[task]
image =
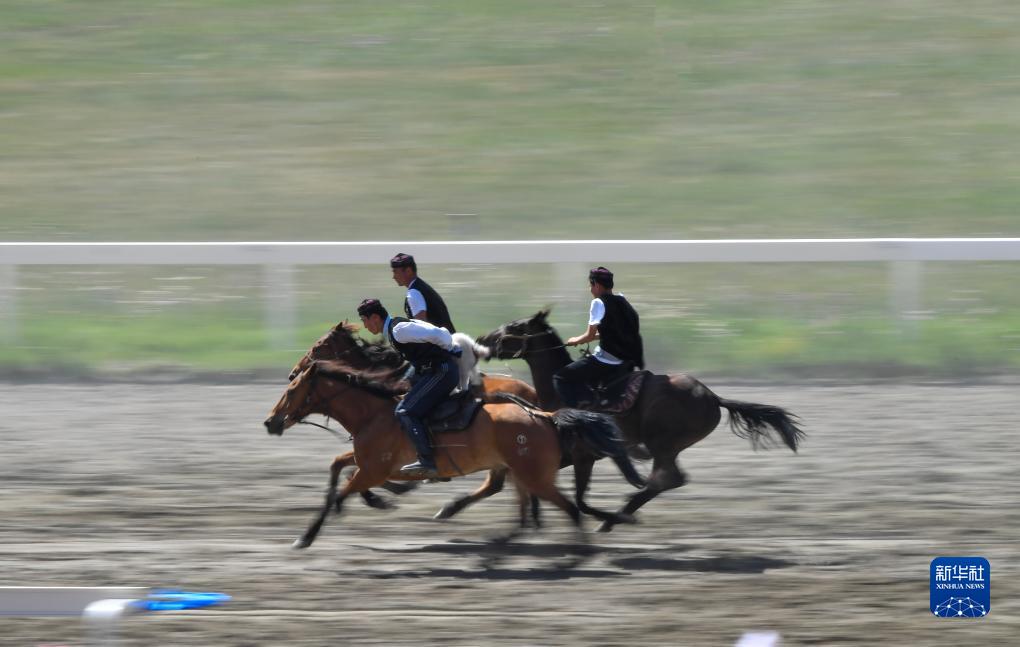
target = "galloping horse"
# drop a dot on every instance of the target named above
(527, 443)
(671, 413)
(341, 343)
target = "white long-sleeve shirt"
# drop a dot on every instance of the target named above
(419, 331)
(415, 299)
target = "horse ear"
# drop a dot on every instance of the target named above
(541, 315)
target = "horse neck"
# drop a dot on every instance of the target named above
(352, 408)
(543, 364)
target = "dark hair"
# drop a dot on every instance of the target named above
(404, 260)
(602, 276)
(370, 307)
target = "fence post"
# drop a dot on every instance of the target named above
(905, 294)
(8, 303)
(280, 305)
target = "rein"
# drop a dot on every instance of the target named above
(332, 431)
(524, 339)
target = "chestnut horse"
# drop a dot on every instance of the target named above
(524, 442)
(672, 412)
(343, 343)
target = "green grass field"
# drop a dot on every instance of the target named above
(229, 120)
(746, 320)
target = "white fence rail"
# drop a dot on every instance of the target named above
(278, 259)
(516, 251)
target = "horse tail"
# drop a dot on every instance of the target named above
(755, 421)
(600, 435)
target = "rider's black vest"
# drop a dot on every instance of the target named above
(620, 330)
(434, 305)
(421, 354)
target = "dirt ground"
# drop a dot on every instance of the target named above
(179, 486)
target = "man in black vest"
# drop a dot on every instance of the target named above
(614, 322)
(431, 351)
(422, 302)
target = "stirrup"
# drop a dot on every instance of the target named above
(419, 469)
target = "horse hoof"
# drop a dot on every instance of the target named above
(378, 504)
(605, 526)
(445, 512)
(300, 544)
(626, 518)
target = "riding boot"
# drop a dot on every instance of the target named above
(425, 466)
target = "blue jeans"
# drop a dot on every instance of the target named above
(430, 387)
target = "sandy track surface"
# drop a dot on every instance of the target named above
(179, 485)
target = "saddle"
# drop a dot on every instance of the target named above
(455, 413)
(619, 394)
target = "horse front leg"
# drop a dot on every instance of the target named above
(584, 462)
(333, 498)
(666, 475)
(372, 500)
(493, 483)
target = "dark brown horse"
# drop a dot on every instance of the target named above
(524, 442)
(672, 412)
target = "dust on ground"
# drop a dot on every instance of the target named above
(179, 486)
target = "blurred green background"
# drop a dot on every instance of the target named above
(229, 120)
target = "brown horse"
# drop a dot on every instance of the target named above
(672, 412)
(525, 442)
(342, 343)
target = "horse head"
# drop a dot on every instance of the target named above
(515, 339)
(341, 342)
(307, 394)
(332, 345)
(297, 402)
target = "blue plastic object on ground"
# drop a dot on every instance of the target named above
(173, 600)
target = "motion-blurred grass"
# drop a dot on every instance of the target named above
(226, 120)
(730, 320)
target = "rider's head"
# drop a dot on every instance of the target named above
(601, 281)
(404, 269)
(373, 314)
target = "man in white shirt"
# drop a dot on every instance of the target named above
(422, 302)
(614, 322)
(431, 351)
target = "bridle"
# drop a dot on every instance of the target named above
(307, 405)
(524, 339)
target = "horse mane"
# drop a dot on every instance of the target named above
(386, 383)
(376, 353)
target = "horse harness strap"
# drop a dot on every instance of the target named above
(524, 339)
(332, 431)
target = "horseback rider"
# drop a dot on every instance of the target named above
(614, 322)
(431, 351)
(422, 301)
